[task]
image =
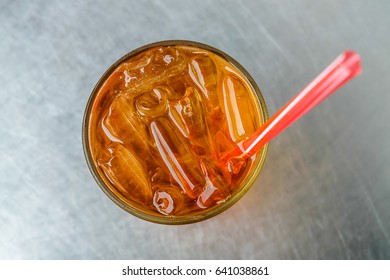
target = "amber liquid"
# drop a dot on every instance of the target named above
(160, 124)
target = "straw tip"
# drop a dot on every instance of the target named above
(350, 52)
(354, 60)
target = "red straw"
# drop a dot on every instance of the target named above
(344, 68)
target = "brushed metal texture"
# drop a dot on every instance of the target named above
(324, 192)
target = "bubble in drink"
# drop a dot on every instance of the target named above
(160, 124)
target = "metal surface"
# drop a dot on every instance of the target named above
(324, 192)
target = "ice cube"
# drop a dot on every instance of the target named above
(126, 173)
(122, 125)
(237, 106)
(223, 143)
(139, 62)
(189, 116)
(144, 72)
(153, 103)
(168, 199)
(188, 113)
(114, 83)
(177, 157)
(216, 189)
(158, 175)
(205, 76)
(203, 72)
(177, 86)
(235, 165)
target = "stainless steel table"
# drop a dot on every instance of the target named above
(324, 192)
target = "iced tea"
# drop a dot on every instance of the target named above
(159, 123)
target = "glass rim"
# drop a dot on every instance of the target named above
(171, 220)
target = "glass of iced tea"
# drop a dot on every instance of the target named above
(158, 123)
